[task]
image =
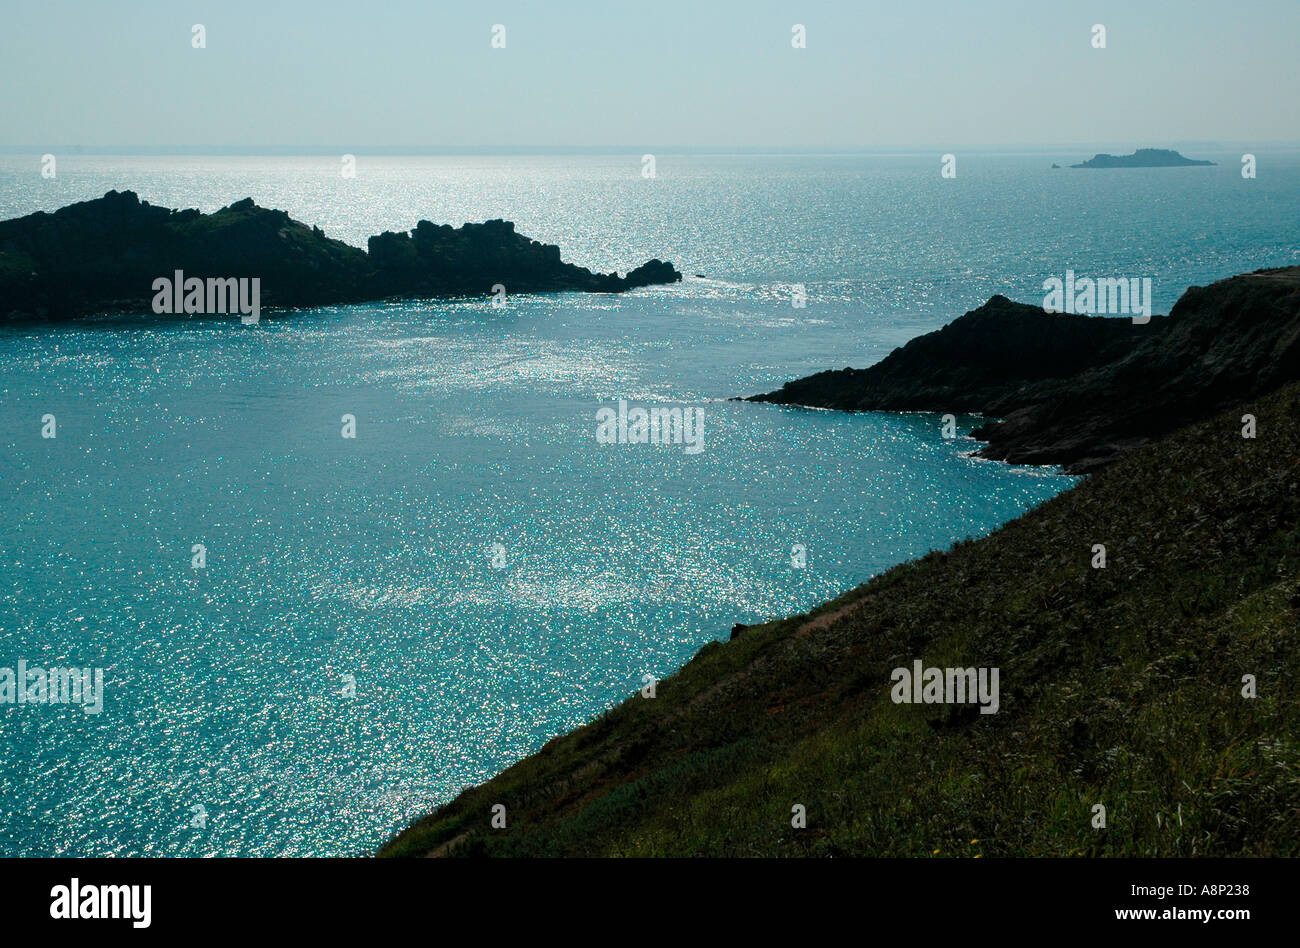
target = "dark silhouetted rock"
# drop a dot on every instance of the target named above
(1081, 390)
(104, 255)
(651, 273)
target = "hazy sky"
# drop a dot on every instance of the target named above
(656, 73)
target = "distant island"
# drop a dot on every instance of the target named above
(1142, 158)
(105, 255)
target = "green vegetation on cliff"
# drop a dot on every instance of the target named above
(1120, 686)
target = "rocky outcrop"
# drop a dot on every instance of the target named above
(1081, 390)
(651, 273)
(440, 260)
(104, 255)
(1142, 158)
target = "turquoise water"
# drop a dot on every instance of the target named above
(373, 557)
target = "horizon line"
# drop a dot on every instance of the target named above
(638, 149)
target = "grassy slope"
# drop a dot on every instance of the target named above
(1118, 686)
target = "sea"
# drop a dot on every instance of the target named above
(308, 640)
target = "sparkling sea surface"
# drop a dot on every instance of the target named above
(373, 557)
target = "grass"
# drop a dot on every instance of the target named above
(1119, 686)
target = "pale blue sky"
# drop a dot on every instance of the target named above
(422, 73)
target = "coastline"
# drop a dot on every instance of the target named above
(1202, 585)
(797, 711)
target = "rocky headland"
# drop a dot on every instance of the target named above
(1080, 390)
(103, 256)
